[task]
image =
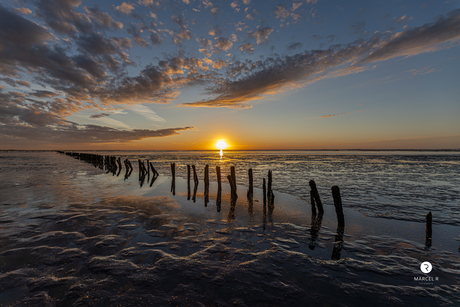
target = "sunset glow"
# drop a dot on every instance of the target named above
(271, 75)
(221, 144)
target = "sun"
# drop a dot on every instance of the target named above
(221, 144)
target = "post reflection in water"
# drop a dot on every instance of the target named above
(231, 213)
(338, 244)
(219, 199)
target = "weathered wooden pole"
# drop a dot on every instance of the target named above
(251, 188)
(316, 196)
(195, 176)
(429, 229)
(219, 184)
(206, 176)
(232, 173)
(148, 168)
(338, 206)
(232, 186)
(188, 182)
(206, 185)
(264, 189)
(269, 184)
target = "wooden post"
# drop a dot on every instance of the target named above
(188, 182)
(269, 185)
(232, 172)
(232, 186)
(219, 184)
(316, 196)
(148, 168)
(195, 176)
(265, 192)
(429, 229)
(206, 176)
(251, 189)
(338, 206)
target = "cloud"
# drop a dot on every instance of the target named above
(125, 8)
(23, 10)
(44, 94)
(222, 44)
(103, 18)
(332, 115)
(38, 121)
(147, 113)
(261, 34)
(294, 46)
(427, 38)
(423, 71)
(15, 83)
(246, 47)
(100, 115)
(276, 74)
(216, 31)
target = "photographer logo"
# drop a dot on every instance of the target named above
(426, 267)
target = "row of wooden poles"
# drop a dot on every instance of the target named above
(112, 164)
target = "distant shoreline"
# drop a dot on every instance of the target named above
(229, 150)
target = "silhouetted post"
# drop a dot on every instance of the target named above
(429, 229)
(173, 181)
(232, 186)
(206, 185)
(188, 182)
(195, 176)
(316, 196)
(269, 185)
(338, 205)
(264, 190)
(314, 229)
(251, 189)
(232, 172)
(219, 184)
(148, 168)
(219, 199)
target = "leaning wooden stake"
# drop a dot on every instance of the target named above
(195, 176)
(315, 193)
(338, 205)
(429, 229)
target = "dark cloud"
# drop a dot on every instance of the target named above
(155, 38)
(15, 83)
(42, 122)
(61, 16)
(135, 30)
(183, 33)
(44, 94)
(357, 27)
(100, 115)
(294, 46)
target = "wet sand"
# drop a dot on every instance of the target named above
(132, 246)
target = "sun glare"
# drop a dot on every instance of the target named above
(221, 144)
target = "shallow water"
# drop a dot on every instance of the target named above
(72, 235)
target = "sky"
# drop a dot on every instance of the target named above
(181, 75)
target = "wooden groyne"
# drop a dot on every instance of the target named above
(114, 165)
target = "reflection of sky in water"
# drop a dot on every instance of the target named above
(70, 219)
